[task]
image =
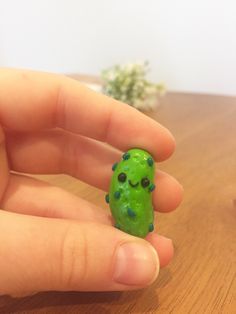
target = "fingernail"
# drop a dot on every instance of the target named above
(136, 264)
(164, 239)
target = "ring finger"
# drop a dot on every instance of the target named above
(53, 202)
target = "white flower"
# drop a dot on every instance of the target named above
(128, 83)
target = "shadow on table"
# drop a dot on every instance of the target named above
(56, 299)
(84, 302)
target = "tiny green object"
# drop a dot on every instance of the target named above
(130, 199)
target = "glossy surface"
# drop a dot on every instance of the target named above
(130, 194)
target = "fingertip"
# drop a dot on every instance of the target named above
(168, 146)
(168, 194)
(163, 246)
(137, 264)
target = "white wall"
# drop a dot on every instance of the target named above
(191, 45)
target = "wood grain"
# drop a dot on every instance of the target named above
(202, 276)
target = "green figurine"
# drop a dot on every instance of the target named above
(130, 194)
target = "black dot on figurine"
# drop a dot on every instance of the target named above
(122, 177)
(117, 194)
(150, 161)
(151, 227)
(126, 156)
(152, 187)
(145, 182)
(117, 226)
(107, 198)
(114, 166)
(130, 212)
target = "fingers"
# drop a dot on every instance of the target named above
(30, 196)
(32, 101)
(63, 152)
(4, 171)
(168, 193)
(111, 121)
(79, 256)
(84, 158)
(54, 202)
(163, 246)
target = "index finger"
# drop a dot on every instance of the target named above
(35, 100)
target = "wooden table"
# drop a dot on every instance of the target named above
(202, 276)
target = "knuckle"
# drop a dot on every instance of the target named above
(73, 260)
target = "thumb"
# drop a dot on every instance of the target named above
(40, 254)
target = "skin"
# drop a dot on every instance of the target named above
(50, 238)
(130, 201)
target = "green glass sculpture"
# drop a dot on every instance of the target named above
(130, 193)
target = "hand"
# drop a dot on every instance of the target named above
(51, 239)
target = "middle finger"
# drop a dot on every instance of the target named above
(81, 157)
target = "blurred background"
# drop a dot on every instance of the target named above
(190, 45)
